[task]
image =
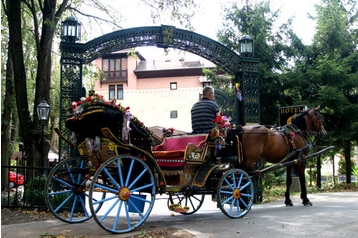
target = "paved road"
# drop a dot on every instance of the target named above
(332, 215)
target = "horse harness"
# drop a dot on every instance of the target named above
(288, 132)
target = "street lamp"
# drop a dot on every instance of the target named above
(246, 46)
(71, 30)
(43, 110)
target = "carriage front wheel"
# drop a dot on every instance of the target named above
(235, 193)
(130, 187)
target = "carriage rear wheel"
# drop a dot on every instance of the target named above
(235, 193)
(66, 190)
(130, 187)
(189, 204)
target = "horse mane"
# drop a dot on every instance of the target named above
(299, 120)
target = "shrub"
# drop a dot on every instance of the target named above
(34, 194)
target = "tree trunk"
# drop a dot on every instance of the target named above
(347, 157)
(318, 172)
(6, 121)
(16, 50)
(54, 136)
(334, 171)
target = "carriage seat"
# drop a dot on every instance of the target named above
(170, 154)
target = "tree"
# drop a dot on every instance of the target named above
(258, 20)
(327, 74)
(45, 18)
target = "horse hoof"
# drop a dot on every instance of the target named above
(308, 203)
(290, 204)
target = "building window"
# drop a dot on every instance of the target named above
(111, 92)
(120, 91)
(174, 114)
(173, 86)
(115, 67)
(206, 84)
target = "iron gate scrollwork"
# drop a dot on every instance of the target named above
(226, 103)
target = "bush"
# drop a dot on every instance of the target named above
(34, 194)
(10, 199)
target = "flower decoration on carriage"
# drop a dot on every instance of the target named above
(78, 107)
(93, 145)
(168, 131)
(219, 131)
(128, 116)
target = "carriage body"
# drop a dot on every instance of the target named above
(116, 172)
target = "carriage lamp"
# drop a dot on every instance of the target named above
(246, 46)
(43, 110)
(71, 30)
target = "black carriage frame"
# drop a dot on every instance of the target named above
(75, 55)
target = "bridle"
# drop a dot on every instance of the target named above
(317, 123)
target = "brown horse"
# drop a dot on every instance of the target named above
(279, 145)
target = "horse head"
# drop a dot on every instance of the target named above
(311, 120)
(314, 121)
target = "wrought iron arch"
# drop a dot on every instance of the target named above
(226, 103)
(161, 36)
(75, 55)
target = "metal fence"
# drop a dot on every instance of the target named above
(28, 192)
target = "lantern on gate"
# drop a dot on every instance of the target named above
(71, 30)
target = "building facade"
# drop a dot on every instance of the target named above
(160, 91)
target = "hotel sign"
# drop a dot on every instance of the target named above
(286, 113)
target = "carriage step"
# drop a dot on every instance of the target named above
(178, 208)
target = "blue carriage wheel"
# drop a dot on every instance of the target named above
(188, 203)
(235, 193)
(66, 190)
(130, 187)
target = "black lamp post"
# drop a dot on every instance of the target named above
(43, 110)
(71, 72)
(71, 30)
(247, 84)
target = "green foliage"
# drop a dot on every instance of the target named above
(273, 179)
(224, 83)
(342, 166)
(10, 199)
(257, 19)
(34, 192)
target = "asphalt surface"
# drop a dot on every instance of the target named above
(332, 215)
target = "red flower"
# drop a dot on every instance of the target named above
(217, 119)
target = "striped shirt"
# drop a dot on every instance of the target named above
(202, 115)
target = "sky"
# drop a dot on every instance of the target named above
(208, 20)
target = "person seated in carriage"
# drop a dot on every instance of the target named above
(207, 118)
(204, 112)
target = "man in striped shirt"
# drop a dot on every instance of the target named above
(204, 112)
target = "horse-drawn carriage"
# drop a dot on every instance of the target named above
(116, 171)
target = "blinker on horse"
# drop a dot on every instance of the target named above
(283, 144)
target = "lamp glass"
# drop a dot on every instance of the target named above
(43, 110)
(71, 30)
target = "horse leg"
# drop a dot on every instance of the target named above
(302, 178)
(288, 201)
